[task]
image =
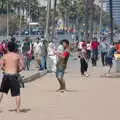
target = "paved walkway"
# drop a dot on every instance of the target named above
(92, 98)
(30, 75)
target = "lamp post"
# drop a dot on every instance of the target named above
(48, 19)
(101, 14)
(54, 21)
(111, 20)
(20, 24)
(7, 19)
(91, 15)
(86, 20)
(29, 15)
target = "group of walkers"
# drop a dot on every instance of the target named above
(91, 51)
(17, 57)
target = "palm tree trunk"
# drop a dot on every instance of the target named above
(91, 6)
(48, 19)
(111, 20)
(54, 21)
(86, 20)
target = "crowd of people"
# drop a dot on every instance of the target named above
(17, 56)
(94, 51)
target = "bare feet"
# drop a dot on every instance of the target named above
(58, 90)
(61, 90)
(18, 110)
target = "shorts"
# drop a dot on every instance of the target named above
(109, 60)
(10, 82)
(60, 74)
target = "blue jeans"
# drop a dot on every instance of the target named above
(60, 73)
(44, 62)
(95, 54)
(94, 57)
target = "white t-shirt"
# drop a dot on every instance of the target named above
(60, 49)
(80, 45)
(51, 49)
(37, 47)
(88, 46)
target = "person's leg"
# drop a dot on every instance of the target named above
(88, 54)
(54, 61)
(18, 102)
(45, 58)
(93, 58)
(49, 63)
(96, 57)
(61, 81)
(25, 62)
(102, 58)
(105, 58)
(27, 65)
(96, 54)
(82, 66)
(1, 97)
(110, 64)
(110, 67)
(38, 62)
(15, 90)
(43, 62)
(29, 61)
(63, 84)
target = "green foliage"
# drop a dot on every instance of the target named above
(76, 10)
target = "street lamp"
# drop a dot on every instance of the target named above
(54, 20)
(101, 14)
(48, 19)
(86, 20)
(20, 24)
(7, 19)
(29, 15)
(111, 20)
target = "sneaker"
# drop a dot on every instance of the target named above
(86, 75)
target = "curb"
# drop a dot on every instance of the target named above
(34, 77)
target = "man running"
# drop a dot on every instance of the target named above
(62, 64)
(11, 66)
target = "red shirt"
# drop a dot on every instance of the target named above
(94, 45)
(66, 54)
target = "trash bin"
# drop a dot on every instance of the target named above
(118, 65)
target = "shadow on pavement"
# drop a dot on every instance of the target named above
(1, 111)
(21, 111)
(54, 91)
(68, 90)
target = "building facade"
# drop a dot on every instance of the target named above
(116, 10)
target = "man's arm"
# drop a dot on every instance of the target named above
(3, 64)
(20, 64)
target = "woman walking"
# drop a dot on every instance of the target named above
(83, 60)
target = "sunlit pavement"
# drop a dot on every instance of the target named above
(92, 98)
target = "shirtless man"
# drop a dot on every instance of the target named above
(11, 66)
